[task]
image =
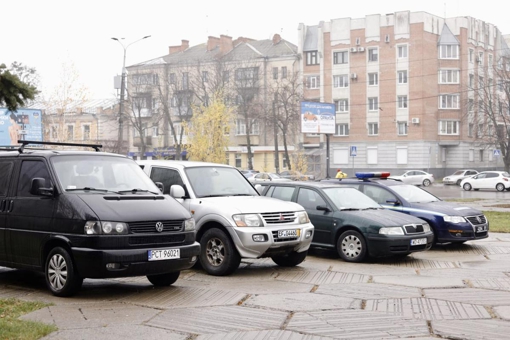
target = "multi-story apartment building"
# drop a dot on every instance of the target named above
(250, 73)
(411, 91)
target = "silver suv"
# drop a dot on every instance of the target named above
(232, 220)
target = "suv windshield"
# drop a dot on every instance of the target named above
(209, 181)
(414, 194)
(101, 172)
(350, 198)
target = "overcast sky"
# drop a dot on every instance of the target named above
(46, 33)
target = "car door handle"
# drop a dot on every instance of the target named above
(10, 204)
(2, 206)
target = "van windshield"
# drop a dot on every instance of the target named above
(101, 172)
(210, 181)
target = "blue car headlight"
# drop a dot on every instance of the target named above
(454, 219)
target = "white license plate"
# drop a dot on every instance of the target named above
(288, 233)
(481, 229)
(418, 241)
(164, 254)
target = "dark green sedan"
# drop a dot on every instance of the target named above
(348, 220)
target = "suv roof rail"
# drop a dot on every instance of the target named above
(27, 142)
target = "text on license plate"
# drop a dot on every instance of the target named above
(164, 254)
(481, 229)
(418, 241)
(288, 233)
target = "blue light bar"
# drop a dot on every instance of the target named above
(364, 175)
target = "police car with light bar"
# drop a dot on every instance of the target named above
(449, 221)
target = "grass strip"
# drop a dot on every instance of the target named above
(13, 328)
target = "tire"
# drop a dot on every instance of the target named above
(218, 255)
(458, 182)
(290, 260)
(60, 273)
(500, 187)
(426, 182)
(163, 280)
(351, 246)
(466, 186)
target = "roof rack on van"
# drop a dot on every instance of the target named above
(26, 142)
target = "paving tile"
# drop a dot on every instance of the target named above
(262, 335)
(420, 281)
(492, 283)
(117, 333)
(321, 277)
(472, 329)
(478, 296)
(365, 291)
(301, 302)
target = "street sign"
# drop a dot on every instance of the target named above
(497, 152)
(354, 151)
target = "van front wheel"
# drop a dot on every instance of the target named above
(218, 255)
(61, 276)
(163, 280)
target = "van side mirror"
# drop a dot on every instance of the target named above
(160, 186)
(177, 191)
(38, 187)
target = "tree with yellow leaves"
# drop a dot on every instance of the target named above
(207, 139)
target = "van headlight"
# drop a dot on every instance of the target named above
(391, 231)
(248, 220)
(454, 219)
(105, 228)
(189, 224)
(303, 217)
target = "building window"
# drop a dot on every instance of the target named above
(86, 132)
(402, 128)
(449, 101)
(471, 54)
(154, 131)
(185, 81)
(342, 130)
(373, 54)
(402, 77)
(373, 129)
(449, 127)
(340, 57)
(341, 80)
(372, 155)
(402, 51)
(226, 76)
(54, 131)
(401, 155)
(480, 58)
(240, 127)
(373, 79)
(312, 82)
(155, 79)
(373, 104)
(284, 72)
(491, 60)
(238, 160)
(470, 129)
(480, 152)
(471, 105)
(275, 72)
(172, 79)
(402, 102)
(480, 131)
(311, 58)
(449, 51)
(342, 105)
(471, 83)
(449, 76)
(70, 132)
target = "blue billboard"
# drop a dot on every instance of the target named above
(318, 117)
(23, 124)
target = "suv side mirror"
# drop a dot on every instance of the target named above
(160, 186)
(323, 208)
(38, 187)
(177, 191)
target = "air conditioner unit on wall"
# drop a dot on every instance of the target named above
(361, 49)
(354, 76)
(354, 50)
(415, 120)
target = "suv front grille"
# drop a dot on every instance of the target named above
(279, 218)
(149, 227)
(476, 220)
(413, 228)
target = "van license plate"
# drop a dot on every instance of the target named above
(164, 254)
(418, 241)
(288, 233)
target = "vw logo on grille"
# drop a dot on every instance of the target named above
(159, 227)
(478, 219)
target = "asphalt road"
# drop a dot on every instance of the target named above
(455, 191)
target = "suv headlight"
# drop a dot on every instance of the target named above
(303, 217)
(248, 220)
(105, 228)
(454, 219)
(426, 227)
(189, 224)
(391, 231)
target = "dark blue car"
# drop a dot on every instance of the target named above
(450, 222)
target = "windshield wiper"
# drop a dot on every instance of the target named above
(241, 195)
(204, 196)
(371, 208)
(349, 209)
(89, 189)
(135, 190)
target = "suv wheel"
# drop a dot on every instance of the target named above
(218, 255)
(351, 246)
(290, 260)
(60, 273)
(163, 280)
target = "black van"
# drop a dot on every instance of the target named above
(86, 214)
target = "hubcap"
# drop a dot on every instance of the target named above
(215, 251)
(57, 272)
(351, 246)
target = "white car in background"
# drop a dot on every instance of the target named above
(267, 177)
(499, 180)
(458, 176)
(415, 177)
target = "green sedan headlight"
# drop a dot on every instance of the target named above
(454, 219)
(391, 231)
(426, 227)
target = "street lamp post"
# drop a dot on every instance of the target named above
(122, 93)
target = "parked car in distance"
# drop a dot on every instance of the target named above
(249, 173)
(233, 220)
(449, 221)
(267, 177)
(296, 175)
(458, 176)
(499, 180)
(352, 223)
(415, 177)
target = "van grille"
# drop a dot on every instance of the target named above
(476, 220)
(163, 239)
(279, 218)
(149, 227)
(413, 228)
